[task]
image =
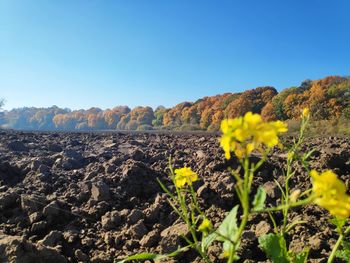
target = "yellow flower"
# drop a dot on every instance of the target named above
(305, 113)
(330, 193)
(185, 176)
(290, 155)
(205, 226)
(245, 134)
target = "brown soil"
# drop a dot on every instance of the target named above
(70, 197)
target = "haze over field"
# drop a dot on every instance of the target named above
(328, 99)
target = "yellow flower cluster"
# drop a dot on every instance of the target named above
(305, 113)
(205, 226)
(330, 193)
(244, 134)
(184, 176)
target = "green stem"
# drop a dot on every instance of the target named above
(335, 248)
(282, 207)
(245, 205)
(337, 244)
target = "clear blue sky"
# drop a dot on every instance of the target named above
(86, 53)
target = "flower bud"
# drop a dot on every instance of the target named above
(295, 195)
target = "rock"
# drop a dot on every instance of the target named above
(110, 220)
(110, 168)
(270, 189)
(100, 191)
(179, 229)
(35, 165)
(135, 176)
(52, 209)
(134, 216)
(35, 217)
(102, 257)
(70, 236)
(39, 226)
(249, 235)
(171, 237)
(52, 238)
(43, 169)
(81, 256)
(203, 191)
(70, 154)
(54, 147)
(315, 242)
(8, 199)
(151, 239)
(18, 250)
(108, 238)
(32, 203)
(152, 213)
(71, 164)
(87, 241)
(170, 243)
(17, 146)
(200, 154)
(90, 175)
(138, 230)
(262, 228)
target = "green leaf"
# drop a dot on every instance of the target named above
(344, 254)
(339, 223)
(259, 199)
(227, 231)
(301, 257)
(228, 228)
(142, 256)
(308, 154)
(206, 241)
(274, 247)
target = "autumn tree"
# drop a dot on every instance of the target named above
(172, 117)
(137, 118)
(159, 116)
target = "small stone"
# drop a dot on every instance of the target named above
(270, 189)
(200, 154)
(100, 191)
(262, 228)
(315, 242)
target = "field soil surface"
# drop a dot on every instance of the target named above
(94, 197)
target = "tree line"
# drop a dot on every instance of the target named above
(327, 98)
